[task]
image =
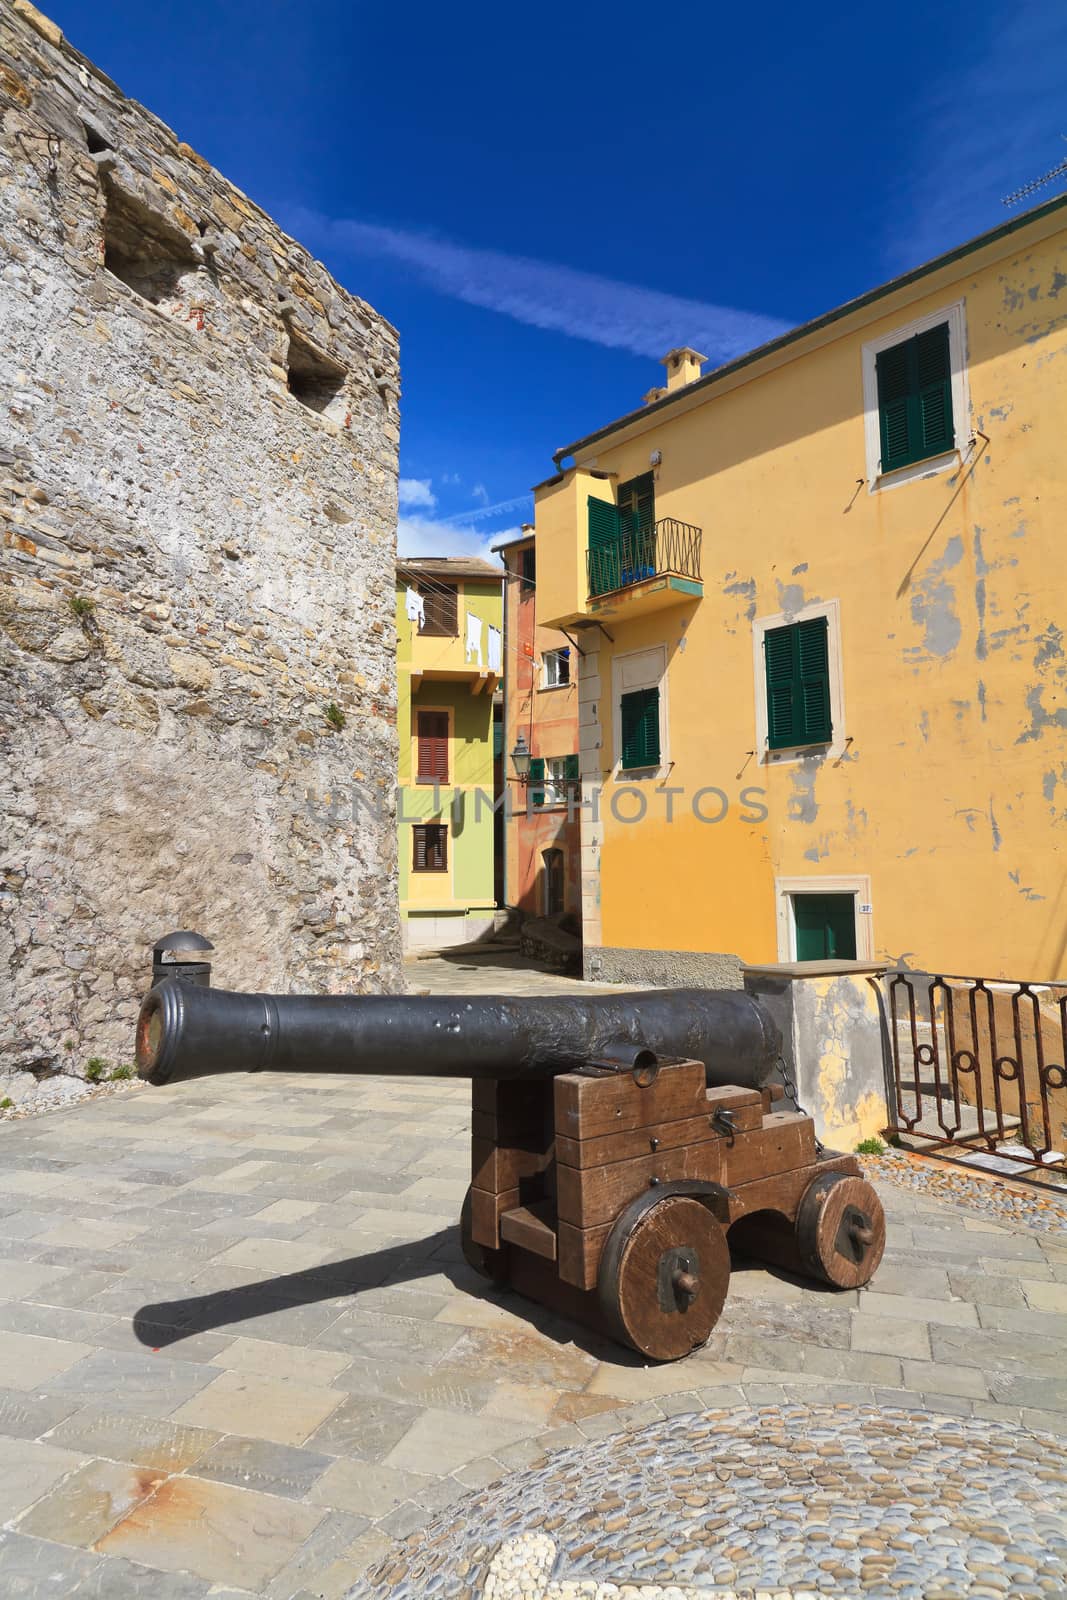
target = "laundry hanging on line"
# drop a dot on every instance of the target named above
(474, 638)
(414, 607)
(493, 650)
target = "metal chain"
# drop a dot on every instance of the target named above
(791, 1090)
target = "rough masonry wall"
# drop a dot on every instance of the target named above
(195, 563)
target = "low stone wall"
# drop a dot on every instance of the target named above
(670, 969)
(198, 461)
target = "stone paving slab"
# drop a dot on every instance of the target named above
(259, 1300)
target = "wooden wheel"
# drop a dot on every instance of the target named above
(664, 1275)
(840, 1230)
(488, 1263)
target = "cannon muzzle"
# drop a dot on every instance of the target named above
(190, 1032)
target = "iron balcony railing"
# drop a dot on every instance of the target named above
(979, 1069)
(629, 558)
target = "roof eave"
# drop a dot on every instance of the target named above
(805, 329)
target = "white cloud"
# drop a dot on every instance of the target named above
(427, 536)
(417, 492)
(543, 294)
(481, 493)
(994, 124)
(451, 478)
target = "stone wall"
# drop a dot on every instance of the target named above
(198, 461)
(668, 969)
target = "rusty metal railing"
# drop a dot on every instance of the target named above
(978, 1064)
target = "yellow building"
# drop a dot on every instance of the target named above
(449, 622)
(820, 594)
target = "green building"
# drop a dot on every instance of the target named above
(449, 621)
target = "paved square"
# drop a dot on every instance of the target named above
(239, 1346)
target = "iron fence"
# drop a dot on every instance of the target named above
(981, 1066)
(667, 546)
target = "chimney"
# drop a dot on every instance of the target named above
(653, 395)
(683, 367)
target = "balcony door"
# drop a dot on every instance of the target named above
(637, 523)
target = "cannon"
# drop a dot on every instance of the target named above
(621, 1144)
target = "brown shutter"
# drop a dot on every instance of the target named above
(440, 618)
(432, 732)
(429, 847)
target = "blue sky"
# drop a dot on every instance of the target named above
(544, 202)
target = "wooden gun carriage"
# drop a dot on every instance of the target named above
(615, 1160)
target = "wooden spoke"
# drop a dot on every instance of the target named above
(664, 1275)
(840, 1230)
(488, 1263)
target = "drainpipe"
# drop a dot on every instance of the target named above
(504, 731)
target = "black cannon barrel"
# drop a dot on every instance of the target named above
(191, 1032)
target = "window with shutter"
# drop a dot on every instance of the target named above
(537, 780)
(797, 669)
(528, 566)
(441, 618)
(639, 718)
(915, 398)
(432, 747)
(604, 546)
(429, 847)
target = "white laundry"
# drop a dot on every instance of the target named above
(493, 650)
(414, 607)
(474, 638)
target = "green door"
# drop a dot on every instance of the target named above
(826, 926)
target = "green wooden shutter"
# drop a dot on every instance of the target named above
(797, 668)
(778, 665)
(640, 728)
(604, 541)
(537, 776)
(637, 519)
(572, 774)
(813, 673)
(915, 398)
(933, 383)
(825, 927)
(893, 369)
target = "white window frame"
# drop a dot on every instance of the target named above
(630, 672)
(831, 610)
(877, 480)
(858, 884)
(555, 656)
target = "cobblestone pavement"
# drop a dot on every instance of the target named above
(802, 1499)
(323, 1375)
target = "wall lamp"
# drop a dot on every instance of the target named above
(520, 759)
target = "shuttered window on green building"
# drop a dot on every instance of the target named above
(640, 728)
(915, 398)
(797, 662)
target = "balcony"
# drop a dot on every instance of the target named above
(641, 570)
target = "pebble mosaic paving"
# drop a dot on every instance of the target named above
(817, 1499)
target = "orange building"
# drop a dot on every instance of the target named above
(542, 843)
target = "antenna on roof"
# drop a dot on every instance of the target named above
(1037, 183)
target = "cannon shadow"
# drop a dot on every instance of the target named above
(168, 1321)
